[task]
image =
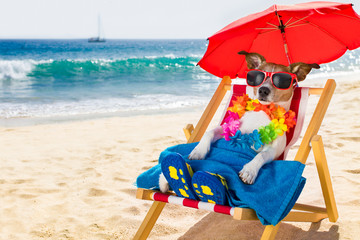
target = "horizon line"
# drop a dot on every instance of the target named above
(35, 38)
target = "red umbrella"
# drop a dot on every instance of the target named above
(315, 32)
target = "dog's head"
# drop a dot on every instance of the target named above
(267, 92)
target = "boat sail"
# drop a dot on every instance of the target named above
(100, 37)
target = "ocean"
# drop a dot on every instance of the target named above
(72, 78)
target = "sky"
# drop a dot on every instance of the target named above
(126, 19)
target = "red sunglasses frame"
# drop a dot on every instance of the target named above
(270, 74)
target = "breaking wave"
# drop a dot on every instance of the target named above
(21, 69)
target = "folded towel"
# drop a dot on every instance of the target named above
(272, 196)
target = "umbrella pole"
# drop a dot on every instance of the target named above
(282, 30)
(286, 48)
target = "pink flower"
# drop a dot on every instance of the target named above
(231, 125)
(231, 116)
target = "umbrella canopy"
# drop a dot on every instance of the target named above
(315, 32)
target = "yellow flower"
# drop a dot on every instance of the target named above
(250, 106)
(280, 126)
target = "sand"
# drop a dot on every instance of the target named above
(74, 180)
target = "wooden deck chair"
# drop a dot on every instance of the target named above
(299, 213)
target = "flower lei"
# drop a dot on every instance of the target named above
(281, 121)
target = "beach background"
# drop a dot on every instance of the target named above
(79, 122)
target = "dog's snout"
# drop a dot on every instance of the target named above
(264, 91)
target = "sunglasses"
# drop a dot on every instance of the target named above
(280, 80)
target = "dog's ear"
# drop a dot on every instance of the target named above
(302, 69)
(253, 60)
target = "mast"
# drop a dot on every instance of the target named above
(100, 35)
(99, 28)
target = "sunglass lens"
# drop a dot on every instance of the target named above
(255, 78)
(282, 80)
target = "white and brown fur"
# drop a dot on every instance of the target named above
(252, 120)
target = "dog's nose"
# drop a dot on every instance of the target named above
(264, 91)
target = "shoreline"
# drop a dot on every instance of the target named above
(32, 121)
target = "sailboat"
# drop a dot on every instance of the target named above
(99, 38)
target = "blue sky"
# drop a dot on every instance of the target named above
(125, 19)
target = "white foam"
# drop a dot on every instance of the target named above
(15, 69)
(99, 106)
(171, 56)
(18, 69)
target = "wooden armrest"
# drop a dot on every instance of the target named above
(315, 91)
(188, 129)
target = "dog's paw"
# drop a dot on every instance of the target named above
(163, 184)
(199, 152)
(248, 174)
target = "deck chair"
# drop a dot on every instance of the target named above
(300, 212)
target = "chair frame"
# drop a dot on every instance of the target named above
(300, 212)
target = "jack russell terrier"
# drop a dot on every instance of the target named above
(271, 83)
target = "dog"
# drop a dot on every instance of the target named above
(267, 92)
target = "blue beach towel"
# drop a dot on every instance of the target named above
(272, 196)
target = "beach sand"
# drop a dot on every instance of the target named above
(75, 180)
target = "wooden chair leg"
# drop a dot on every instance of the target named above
(270, 232)
(324, 176)
(149, 221)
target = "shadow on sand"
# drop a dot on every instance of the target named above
(218, 226)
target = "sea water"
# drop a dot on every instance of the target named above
(70, 78)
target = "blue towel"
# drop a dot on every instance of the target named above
(272, 196)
